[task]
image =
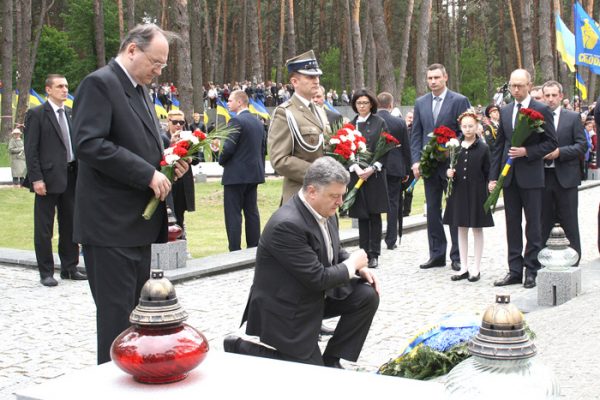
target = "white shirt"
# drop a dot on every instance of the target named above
(57, 115)
(133, 82)
(524, 104)
(442, 96)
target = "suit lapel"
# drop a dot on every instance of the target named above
(52, 117)
(308, 114)
(444, 107)
(315, 228)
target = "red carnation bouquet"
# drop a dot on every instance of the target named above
(348, 146)
(435, 150)
(385, 143)
(187, 148)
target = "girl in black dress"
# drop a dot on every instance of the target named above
(464, 207)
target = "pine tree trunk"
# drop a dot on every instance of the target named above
(422, 47)
(279, 77)
(357, 45)
(527, 39)
(243, 41)
(196, 56)
(207, 38)
(370, 54)
(515, 36)
(6, 114)
(291, 33)
(215, 48)
(404, 53)
(99, 33)
(221, 72)
(455, 45)
(130, 14)
(256, 61)
(259, 34)
(546, 58)
(322, 27)
(348, 43)
(385, 67)
(164, 14)
(121, 20)
(184, 67)
(267, 55)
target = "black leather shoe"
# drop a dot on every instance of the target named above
(373, 263)
(529, 282)
(231, 344)
(332, 362)
(509, 280)
(392, 247)
(459, 277)
(456, 265)
(49, 281)
(73, 275)
(475, 278)
(434, 263)
(326, 331)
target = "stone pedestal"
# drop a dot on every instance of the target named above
(593, 174)
(558, 287)
(354, 223)
(199, 178)
(170, 255)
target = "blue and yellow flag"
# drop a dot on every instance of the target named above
(258, 108)
(565, 43)
(587, 39)
(69, 101)
(329, 106)
(223, 110)
(161, 111)
(580, 83)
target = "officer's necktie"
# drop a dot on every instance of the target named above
(64, 130)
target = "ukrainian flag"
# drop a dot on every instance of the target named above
(33, 100)
(580, 83)
(174, 103)
(161, 112)
(331, 107)
(223, 110)
(39, 98)
(587, 39)
(69, 101)
(256, 107)
(565, 43)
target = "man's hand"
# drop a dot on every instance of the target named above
(369, 276)
(366, 173)
(415, 170)
(39, 187)
(160, 184)
(516, 152)
(553, 155)
(181, 167)
(359, 259)
(491, 185)
(405, 179)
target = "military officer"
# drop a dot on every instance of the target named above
(296, 132)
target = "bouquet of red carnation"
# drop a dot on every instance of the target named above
(435, 150)
(385, 143)
(529, 121)
(348, 146)
(187, 148)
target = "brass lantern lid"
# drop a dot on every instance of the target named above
(158, 304)
(502, 334)
(557, 239)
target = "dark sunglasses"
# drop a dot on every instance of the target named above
(176, 122)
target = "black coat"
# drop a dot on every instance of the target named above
(399, 159)
(464, 206)
(572, 146)
(372, 197)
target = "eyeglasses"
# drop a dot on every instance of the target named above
(177, 122)
(363, 103)
(516, 86)
(155, 64)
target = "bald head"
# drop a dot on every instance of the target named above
(520, 84)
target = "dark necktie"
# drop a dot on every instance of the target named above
(550, 162)
(436, 108)
(140, 91)
(64, 131)
(312, 107)
(517, 115)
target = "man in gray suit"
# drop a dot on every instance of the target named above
(562, 171)
(303, 275)
(440, 107)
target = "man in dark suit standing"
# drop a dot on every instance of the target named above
(524, 183)
(119, 150)
(52, 172)
(440, 107)
(243, 161)
(397, 168)
(562, 169)
(302, 275)
(331, 119)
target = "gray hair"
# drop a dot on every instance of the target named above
(325, 171)
(143, 34)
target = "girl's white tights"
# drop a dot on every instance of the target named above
(463, 248)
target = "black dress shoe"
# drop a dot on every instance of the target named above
(373, 263)
(392, 247)
(231, 344)
(529, 282)
(475, 278)
(434, 263)
(456, 265)
(73, 275)
(326, 331)
(509, 280)
(49, 281)
(332, 362)
(459, 277)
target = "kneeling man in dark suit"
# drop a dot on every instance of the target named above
(302, 276)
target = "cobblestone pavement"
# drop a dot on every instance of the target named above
(48, 332)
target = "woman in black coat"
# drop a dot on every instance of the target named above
(372, 198)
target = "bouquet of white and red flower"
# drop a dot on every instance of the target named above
(453, 146)
(529, 121)
(385, 143)
(435, 150)
(187, 148)
(347, 146)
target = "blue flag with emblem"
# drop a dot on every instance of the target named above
(587, 39)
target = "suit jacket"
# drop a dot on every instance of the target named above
(243, 154)
(572, 146)
(291, 277)
(288, 158)
(528, 171)
(45, 151)
(119, 148)
(453, 105)
(398, 159)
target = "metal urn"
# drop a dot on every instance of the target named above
(502, 364)
(159, 347)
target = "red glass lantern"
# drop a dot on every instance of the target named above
(174, 231)
(159, 347)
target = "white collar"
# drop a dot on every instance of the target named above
(55, 107)
(302, 99)
(320, 219)
(362, 119)
(133, 82)
(442, 95)
(524, 103)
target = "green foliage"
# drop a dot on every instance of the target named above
(409, 96)
(55, 56)
(329, 61)
(426, 363)
(473, 73)
(4, 158)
